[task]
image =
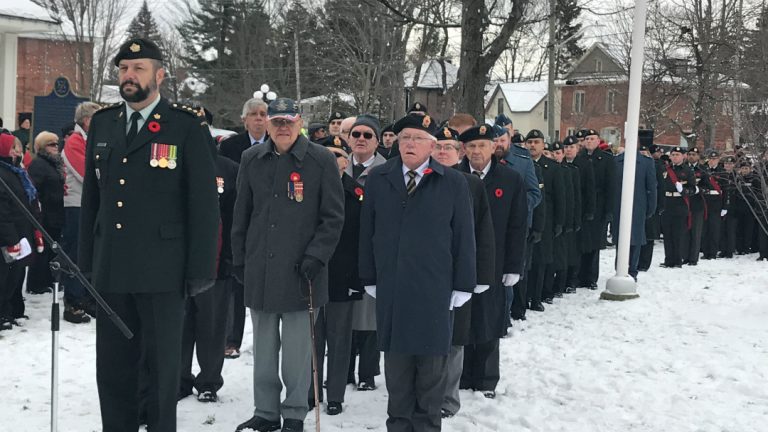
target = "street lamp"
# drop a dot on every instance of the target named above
(265, 94)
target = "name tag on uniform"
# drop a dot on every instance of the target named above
(101, 144)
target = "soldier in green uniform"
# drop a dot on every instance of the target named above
(148, 236)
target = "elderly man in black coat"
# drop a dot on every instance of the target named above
(447, 153)
(288, 218)
(507, 198)
(417, 256)
(644, 203)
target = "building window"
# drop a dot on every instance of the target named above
(610, 101)
(546, 109)
(557, 135)
(571, 131)
(598, 65)
(578, 101)
(499, 106)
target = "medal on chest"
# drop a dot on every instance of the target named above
(295, 187)
(163, 156)
(220, 185)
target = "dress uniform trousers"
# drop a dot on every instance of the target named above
(710, 236)
(333, 328)
(236, 315)
(745, 230)
(204, 332)
(692, 239)
(728, 239)
(481, 366)
(151, 357)
(674, 223)
(415, 393)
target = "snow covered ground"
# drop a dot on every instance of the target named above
(691, 354)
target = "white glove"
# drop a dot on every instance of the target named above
(26, 249)
(510, 279)
(458, 298)
(697, 189)
(371, 290)
(481, 289)
(679, 187)
(723, 212)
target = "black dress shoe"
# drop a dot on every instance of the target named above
(333, 408)
(5, 325)
(518, 317)
(570, 290)
(259, 424)
(558, 295)
(366, 385)
(292, 425)
(538, 307)
(489, 394)
(549, 300)
(208, 396)
(444, 413)
(691, 263)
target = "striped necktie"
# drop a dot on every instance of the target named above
(411, 185)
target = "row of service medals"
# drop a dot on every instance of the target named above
(296, 188)
(163, 156)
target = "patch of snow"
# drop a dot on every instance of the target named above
(524, 96)
(25, 9)
(431, 75)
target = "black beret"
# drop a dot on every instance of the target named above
(517, 138)
(138, 48)
(555, 146)
(729, 159)
(418, 106)
(314, 127)
(694, 150)
(336, 115)
(502, 120)
(678, 149)
(482, 132)
(335, 142)
(642, 147)
(570, 140)
(387, 128)
(586, 132)
(713, 154)
(415, 121)
(534, 134)
(446, 133)
(653, 148)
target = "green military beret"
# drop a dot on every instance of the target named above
(138, 48)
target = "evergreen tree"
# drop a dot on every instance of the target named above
(144, 26)
(567, 14)
(755, 59)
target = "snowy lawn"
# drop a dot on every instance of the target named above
(691, 354)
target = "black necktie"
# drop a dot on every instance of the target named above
(479, 174)
(357, 169)
(134, 127)
(411, 185)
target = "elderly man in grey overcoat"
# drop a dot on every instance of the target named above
(288, 218)
(417, 256)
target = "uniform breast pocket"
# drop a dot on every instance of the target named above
(101, 162)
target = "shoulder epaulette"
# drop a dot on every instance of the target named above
(187, 109)
(110, 107)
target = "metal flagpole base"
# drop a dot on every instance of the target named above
(619, 288)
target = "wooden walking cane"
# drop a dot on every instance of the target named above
(314, 356)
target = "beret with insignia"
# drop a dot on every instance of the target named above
(284, 108)
(694, 150)
(713, 154)
(314, 127)
(555, 146)
(653, 148)
(335, 142)
(534, 134)
(502, 120)
(678, 150)
(586, 132)
(446, 133)
(517, 138)
(418, 107)
(570, 140)
(138, 48)
(729, 159)
(414, 121)
(336, 115)
(482, 132)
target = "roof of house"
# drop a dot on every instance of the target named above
(26, 10)
(522, 96)
(431, 75)
(588, 53)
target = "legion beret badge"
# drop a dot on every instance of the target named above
(426, 122)
(135, 47)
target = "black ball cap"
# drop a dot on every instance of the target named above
(415, 121)
(482, 132)
(138, 48)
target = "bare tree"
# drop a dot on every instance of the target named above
(89, 24)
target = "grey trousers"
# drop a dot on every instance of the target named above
(334, 328)
(414, 383)
(296, 345)
(451, 378)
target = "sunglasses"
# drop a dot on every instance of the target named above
(280, 122)
(357, 134)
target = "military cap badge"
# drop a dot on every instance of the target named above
(135, 47)
(337, 141)
(483, 130)
(447, 133)
(426, 122)
(417, 106)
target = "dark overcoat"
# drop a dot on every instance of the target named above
(485, 257)
(46, 173)
(233, 147)
(147, 229)
(554, 197)
(13, 224)
(507, 198)
(226, 187)
(271, 232)
(343, 274)
(645, 197)
(603, 168)
(417, 249)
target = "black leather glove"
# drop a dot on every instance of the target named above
(239, 273)
(558, 230)
(198, 286)
(535, 237)
(589, 216)
(609, 217)
(310, 267)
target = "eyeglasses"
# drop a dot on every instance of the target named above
(406, 138)
(446, 147)
(280, 122)
(366, 135)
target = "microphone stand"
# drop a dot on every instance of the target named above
(63, 264)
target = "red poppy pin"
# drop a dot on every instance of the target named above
(428, 171)
(295, 177)
(153, 126)
(499, 193)
(359, 193)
